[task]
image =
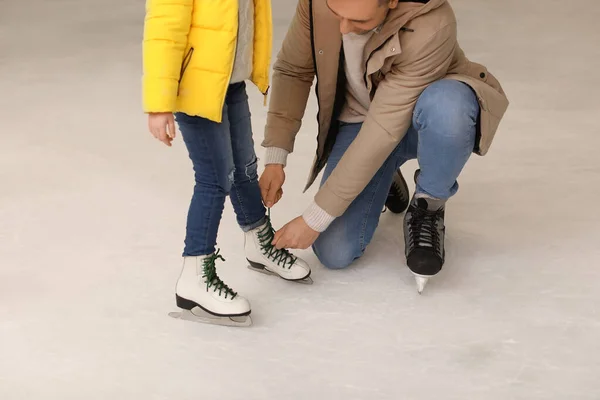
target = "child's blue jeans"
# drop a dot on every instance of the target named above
(224, 164)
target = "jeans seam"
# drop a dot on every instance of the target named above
(371, 201)
(215, 172)
(417, 116)
(239, 198)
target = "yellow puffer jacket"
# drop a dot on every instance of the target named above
(189, 50)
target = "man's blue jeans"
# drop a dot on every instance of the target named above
(442, 137)
(224, 164)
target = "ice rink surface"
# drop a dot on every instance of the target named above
(92, 213)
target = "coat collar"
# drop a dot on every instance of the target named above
(396, 19)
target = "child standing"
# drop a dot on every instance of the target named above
(197, 56)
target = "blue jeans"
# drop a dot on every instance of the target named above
(224, 164)
(442, 137)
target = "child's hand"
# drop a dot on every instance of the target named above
(162, 127)
(270, 183)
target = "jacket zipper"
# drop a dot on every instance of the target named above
(314, 55)
(319, 160)
(367, 62)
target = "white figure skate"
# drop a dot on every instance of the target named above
(203, 297)
(267, 259)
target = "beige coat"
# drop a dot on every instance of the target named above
(416, 46)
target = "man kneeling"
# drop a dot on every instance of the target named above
(392, 85)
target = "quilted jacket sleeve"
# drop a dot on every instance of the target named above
(166, 30)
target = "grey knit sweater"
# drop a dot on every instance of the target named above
(242, 67)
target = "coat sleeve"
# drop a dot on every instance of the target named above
(293, 75)
(166, 28)
(388, 119)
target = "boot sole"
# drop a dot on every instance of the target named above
(261, 268)
(188, 305)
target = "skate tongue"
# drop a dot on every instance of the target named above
(429, 204)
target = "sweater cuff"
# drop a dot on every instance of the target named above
(317, 218)
(275, 155)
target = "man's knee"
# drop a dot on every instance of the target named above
(334, 250)
(448, 106)
(333, 258)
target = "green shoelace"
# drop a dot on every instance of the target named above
(212, 279)
(279, 256)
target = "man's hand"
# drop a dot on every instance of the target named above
(270, 183)
(296, 234)
(162, 127)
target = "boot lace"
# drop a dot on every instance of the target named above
(280, 256)
(212, 279)
(423, 229)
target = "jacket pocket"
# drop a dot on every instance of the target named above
(184, 64)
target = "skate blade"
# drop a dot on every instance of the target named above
(306, 281)
(421, 281)
(198, 315)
